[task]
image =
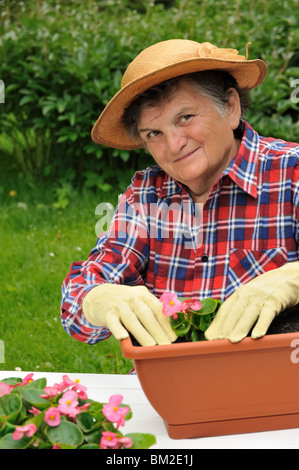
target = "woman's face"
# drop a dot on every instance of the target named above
(188, 137)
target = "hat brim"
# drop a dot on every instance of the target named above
(109, 130)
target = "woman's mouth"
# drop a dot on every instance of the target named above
(187, 155)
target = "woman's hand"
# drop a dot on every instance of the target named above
(256, 303)
(125, 309)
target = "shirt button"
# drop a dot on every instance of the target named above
(204, 258)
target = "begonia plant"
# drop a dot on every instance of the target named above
(36, 416)
(189, 318)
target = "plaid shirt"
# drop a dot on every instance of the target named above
(159, 237)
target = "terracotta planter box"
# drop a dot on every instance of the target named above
(216, 387)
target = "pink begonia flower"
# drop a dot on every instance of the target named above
(51, 392)
(5, 389)
(68, 403)
(109, 439)
(196, 305)
(113, 412)
(125, 442)
(28, 379)
(171, 304)
(80, 390)
(28, 430)
(34, 411)
(84, 407)
(66, 382)
(191, 304)
(52, 416)
(56, 446)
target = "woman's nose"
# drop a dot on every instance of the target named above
(176, 140)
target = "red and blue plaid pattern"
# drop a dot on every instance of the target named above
(159, 237)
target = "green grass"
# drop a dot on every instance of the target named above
(38, 244)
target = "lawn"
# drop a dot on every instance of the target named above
(39, 242)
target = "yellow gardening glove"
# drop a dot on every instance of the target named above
(125, 309)
(258, 301)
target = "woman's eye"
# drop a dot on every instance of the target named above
(184, 119)
(153, 134)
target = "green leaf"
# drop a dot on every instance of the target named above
(44, 444)
(201, 322)
(205, 322)
(94, 437)
(208, 306)
(7, 442)
(197, 335)
(195, 320)
(95, 407)
(6, 429)
(141, 441)
(28, 99)
(10, 407)
(38, 384)
(37, 419)
(90, 446)
(203, 317)
(107, 426)
(178, 321)
(181, 327)
(124, 155)
(67, 435)
(105, 187)
(12, 380)
(85, 421)
(33, 396)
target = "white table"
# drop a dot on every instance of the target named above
(145, 419)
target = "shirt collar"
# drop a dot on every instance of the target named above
(169, 187)
(242, 169)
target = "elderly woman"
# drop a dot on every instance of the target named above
(217, 216)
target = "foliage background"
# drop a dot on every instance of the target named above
(61, 62)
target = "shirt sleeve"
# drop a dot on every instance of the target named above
(119, 257)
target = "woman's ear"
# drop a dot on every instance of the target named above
(233, 108)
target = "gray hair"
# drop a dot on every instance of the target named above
(213, 84)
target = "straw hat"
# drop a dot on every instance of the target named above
(160, 62)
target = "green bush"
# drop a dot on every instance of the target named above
(61, 62)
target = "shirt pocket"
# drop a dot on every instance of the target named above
(245, 265)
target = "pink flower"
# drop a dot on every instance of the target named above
(113, 412)
(80, 390)
(52, 416)
(191, 304)
(28, 430)
(34, 411)
(5, 389)
(66, 383)
(28, 379)
(171, 304)
(109, 439)
(68, 403)
(84, 407)
(125, 442)
(51, 392)
(56, 389)
(196, 305)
